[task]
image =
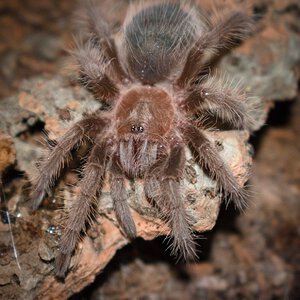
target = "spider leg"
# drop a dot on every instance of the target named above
(119, 196)
(51, 165)
(81, 209)
(166, 194)
(92, 22)
(229, 103)
(211, 161)
(93, 69)
(228, 31)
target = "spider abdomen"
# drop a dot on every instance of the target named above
(155, 39)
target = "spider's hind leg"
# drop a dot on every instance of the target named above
(227, 31)
(92, 23)
(95, 71)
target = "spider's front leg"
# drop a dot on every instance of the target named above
(51, 165)
(162, 185)
(210, 160)
(119, 196)
(82, 209)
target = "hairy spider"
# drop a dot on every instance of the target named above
(153, 74)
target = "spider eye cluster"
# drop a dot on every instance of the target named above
(137, 129)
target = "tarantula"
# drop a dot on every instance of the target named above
(154, 77)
